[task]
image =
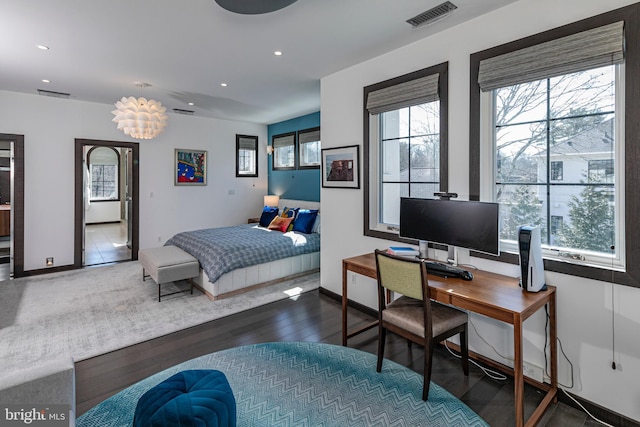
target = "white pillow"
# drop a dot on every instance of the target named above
(316, 225)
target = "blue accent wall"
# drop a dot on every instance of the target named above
(294, 184)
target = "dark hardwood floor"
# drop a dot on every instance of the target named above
(309, 317)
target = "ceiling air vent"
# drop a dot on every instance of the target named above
(53, 94)
(432, 14)
(181, 111)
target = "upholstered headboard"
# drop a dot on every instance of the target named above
(303, 204)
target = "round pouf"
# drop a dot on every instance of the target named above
(200, 398)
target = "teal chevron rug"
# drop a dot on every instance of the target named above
(307, 384)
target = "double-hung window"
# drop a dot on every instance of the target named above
(549, 142)
(284, 150)
(405, 146)
(309, 148)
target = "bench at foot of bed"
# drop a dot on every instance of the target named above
(168, 264)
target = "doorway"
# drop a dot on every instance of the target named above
(106, 200)
(11, 206)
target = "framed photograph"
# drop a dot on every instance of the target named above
(190, 167)
(340, 167)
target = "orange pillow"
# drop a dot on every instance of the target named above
(279, 223)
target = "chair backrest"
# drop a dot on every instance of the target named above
(404, 276)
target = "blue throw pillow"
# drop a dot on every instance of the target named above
(268, 214)
(304, 220)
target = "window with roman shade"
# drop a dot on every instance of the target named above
(562, 157)
(404, 146)
(309, 148)
(284, 149)
(246, 156)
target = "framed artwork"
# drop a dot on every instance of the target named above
(190, 167)
(340, 167)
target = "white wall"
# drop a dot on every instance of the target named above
(50, 126)
(101, 212)
(584, 306)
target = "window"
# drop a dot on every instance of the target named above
(556, 171)
(571, 113)
(284, 150)
(246, 156)
(405, 145)
(309, 148)
(561, 117)
(601, 171)
(104, 167)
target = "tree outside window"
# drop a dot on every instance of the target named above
(410, 152)
(558, 129)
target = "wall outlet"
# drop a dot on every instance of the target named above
(534, 372)
(159, 239)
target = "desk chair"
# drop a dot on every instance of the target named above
(414, 316)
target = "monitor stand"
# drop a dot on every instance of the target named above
(423, 249)
(452, 256)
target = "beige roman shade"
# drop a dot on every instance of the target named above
(414, 92)
(284, 141)
(308, 136)
(577, 52)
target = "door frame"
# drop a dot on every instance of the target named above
(79, 194)
(17, 202)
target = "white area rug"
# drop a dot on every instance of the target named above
(84, 313)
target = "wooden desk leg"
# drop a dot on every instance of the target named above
(344, 304)
(518, 374)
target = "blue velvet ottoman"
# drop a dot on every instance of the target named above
(200, 398)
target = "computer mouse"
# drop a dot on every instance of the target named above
(466, 275)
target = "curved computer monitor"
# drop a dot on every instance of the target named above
(464, 224)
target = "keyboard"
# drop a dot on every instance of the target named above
(447, 270)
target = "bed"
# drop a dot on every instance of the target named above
(235, 259)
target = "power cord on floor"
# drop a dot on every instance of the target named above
(488, 372)
(585, 409)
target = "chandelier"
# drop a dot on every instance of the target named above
(140, 118)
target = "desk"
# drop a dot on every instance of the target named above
(493, 295)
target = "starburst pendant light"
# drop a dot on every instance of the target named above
(140, 118)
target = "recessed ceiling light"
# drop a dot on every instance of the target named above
(42, 47)
(277, 53)
(190, 103)
(46, 81)
(223, 84)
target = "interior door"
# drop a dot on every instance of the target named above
(86, 248)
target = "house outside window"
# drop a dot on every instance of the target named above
(551, 131)
(575, 131)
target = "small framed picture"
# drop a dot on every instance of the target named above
(340, 167)
(190, 167)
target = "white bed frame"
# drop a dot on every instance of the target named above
(244, 279)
